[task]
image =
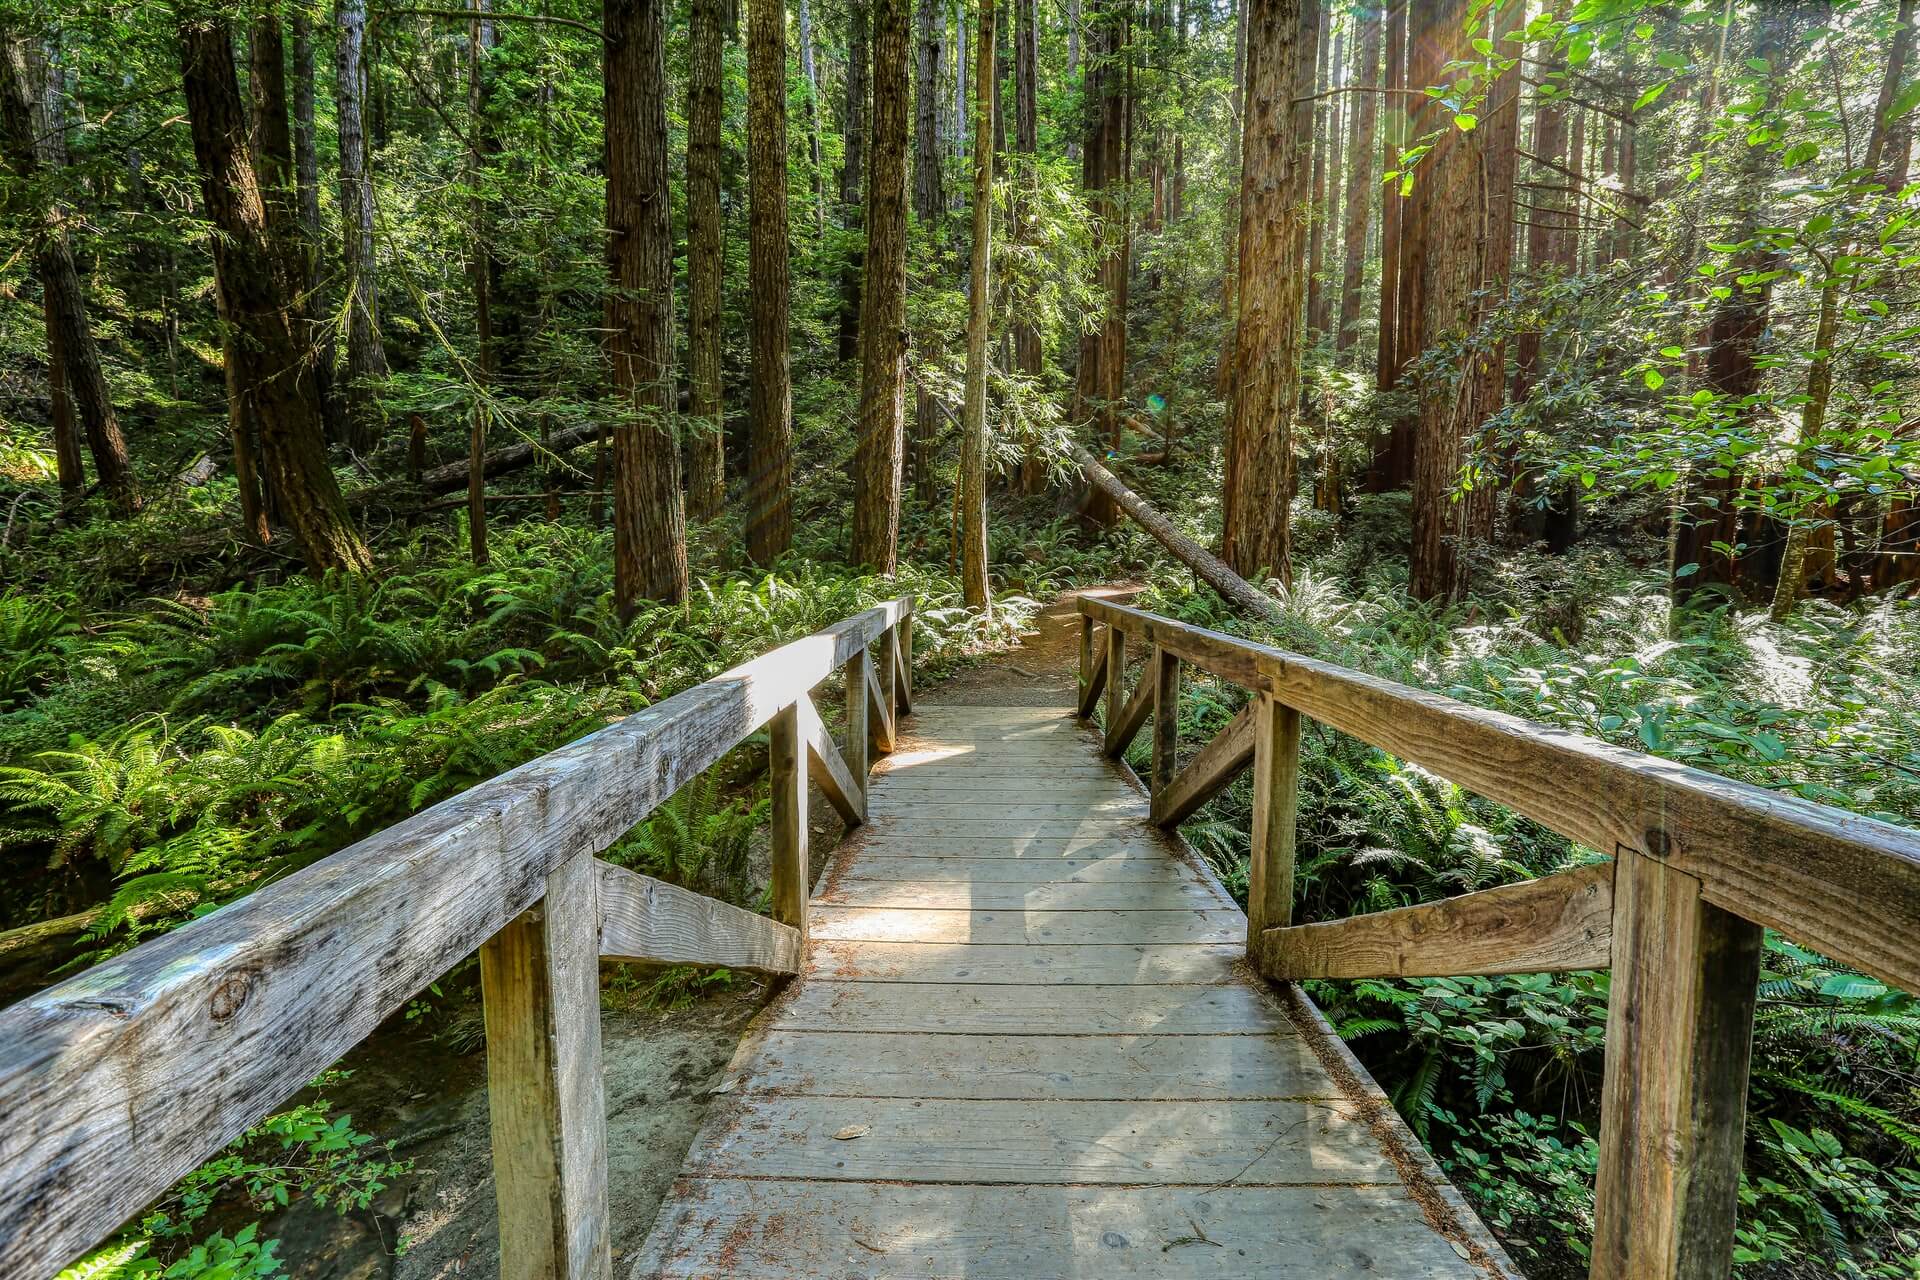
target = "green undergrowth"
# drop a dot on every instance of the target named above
(1501, 1075)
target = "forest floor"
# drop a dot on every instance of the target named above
(409, 1086)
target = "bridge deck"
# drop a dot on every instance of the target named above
(1024, 1046)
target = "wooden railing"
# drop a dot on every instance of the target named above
(1699, 864)
(117, 1082)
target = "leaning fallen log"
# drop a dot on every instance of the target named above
(1213, 571)
(453, 476)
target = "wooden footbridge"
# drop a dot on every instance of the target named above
(1029, 1035)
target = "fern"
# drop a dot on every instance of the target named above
(1859, 1109)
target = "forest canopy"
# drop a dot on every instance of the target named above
(390, 394)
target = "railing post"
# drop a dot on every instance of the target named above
(1086, 661)
(1165, 674)
(903, 635)
(787, 767)
(1116, 673)
(1276, 799)
(1674, 1097)
(854, 747)
(540, 992)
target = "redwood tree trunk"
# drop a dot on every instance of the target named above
(1276, 174)
(71, 347)
(1230, 283)
(366, 357)
(853, 162)
(1360, 183)
(1316, 209)
(706, 262)
(649, 529)
(883, 308)
(770, 387)
(929, 209)
(1392, 210)
(1101, 376)
(973, 437)
(272, 373)
(1028, 357)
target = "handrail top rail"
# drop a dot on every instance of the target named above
(1845, 884)
(118, 1081)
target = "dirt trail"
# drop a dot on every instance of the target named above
(1043, 672)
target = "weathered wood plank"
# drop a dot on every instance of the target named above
(1276, 798)
(986, 826)
(827, 770)
(1093, 670)
(654, 922)
(1123, 728)
(882, 725)
(1161, 894)
(902, 642)
(1208, 773)
(1172, 1010)
(1550, 925)
(1095, 965)
(918, 814)
(1164, 672)
(1122, 843)
(796, 1230)
(540, 983)
(1116, 682)
(1036, 1067)
(966, 869)
(227, 1017)
(1846, 885)
(854, 746)
(1201, 1144)
(787, 778)
(1674, 1095)
(1032, 927)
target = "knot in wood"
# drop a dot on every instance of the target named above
(1659, 844)
(230, 996)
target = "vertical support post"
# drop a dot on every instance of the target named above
(787, 767)
(1164, 671)
(1086, 661)
(854, 747)
(540, 994)
(1276, 800)
(1673, 1101)
(903, 669)
(1116, 673)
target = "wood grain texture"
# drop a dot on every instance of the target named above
(1673, 1098)
(1158, 894)
(540, 984)
(854, 745)
(1124, 726)
(1164, 672)
(1093, 669)
(1116, 680)
(1549, 925)
(787, 836)
(1171, 1010)
(880, 727)
(787, 1230)
(1212, 768)
(1844, 884)
(1033, 927)
(148, 1063)
(964, 867)
(1276, 799)
(653, 922)
(1097, 964)
(1148, 1067)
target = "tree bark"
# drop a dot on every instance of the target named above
(1360, 183)
(1028, 357)
(1317, 199)
(306, 169)
(706, 262)
(272, 371)
(1230, 218)
(770, 386)
(1275, 183)
(82, 389)
(973, 436)
(366, 361)
(810, 73)
(1392, 209)
(853, 162)
(883, 335)
(929, 209)
(1100, 379)
(480, 274)
(649, 529)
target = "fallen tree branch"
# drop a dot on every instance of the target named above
(513, 457)
(1213, 571)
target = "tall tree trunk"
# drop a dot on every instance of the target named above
(1360, 183)
(366, 356)
(272, 372)
(1453, 214)
(306, 168)
(959, 122)
(706, 262)
(1230, 218)
(1275, 183)
(1317, 200)
(33, 115)
(649, 529)
(973, 436)
(929, 209)
(1101, 377)
(1891, 139)
(1028, 356)
(480, 273)
(883, 332)
(810, 72)
(1393, 80)
(770, 387)
(854, 160)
